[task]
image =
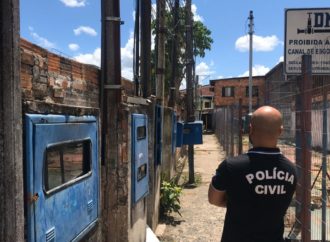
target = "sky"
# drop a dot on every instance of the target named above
(72, 28)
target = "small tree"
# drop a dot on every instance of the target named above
(202, 41)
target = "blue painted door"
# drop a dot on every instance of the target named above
(140, 168)
(62, 175)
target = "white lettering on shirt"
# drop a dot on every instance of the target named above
(270, 175)
(270, 189)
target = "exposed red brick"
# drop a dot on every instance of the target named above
(26, 69)
(26, 81)
(79, 86)
(65, 84)
(65, 66)
(27, 58)
(53, 62)
(33, 48)
(77, 70)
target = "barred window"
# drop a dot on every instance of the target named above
(228, 91)
(255, 91)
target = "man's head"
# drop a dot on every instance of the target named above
(265, 127)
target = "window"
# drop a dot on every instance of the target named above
(66, 162)
(207, 105)
(141, 132)
(142, 172)
(228, 91)
(211, 89)
(255, 91)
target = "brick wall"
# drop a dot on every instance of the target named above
(240, 84)
(54, 79)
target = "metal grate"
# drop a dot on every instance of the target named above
(90, 206)
(50, 235)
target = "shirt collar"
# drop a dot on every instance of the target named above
(265, 151)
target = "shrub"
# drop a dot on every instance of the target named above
(169, 198)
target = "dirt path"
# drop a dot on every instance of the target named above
(200, 221)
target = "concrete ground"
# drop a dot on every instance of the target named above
(200, 221)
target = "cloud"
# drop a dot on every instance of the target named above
(43, 42)
(281, 59)
(260, 43)
(74, 47)
(154, 11)
(127, 58)
(257, 70)
(133, 15)
(90, 58)
(183, 84)
(74, 3)
(204, 69)
(85, 30)
(196, 16)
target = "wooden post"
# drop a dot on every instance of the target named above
(11, 154)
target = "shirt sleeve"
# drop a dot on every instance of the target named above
(219, 180)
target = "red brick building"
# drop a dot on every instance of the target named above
(228, 91)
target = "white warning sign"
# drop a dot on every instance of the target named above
(307, 32)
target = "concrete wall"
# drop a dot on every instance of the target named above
(54, 84)
(57, 85)
(168, 163)
(50, 81)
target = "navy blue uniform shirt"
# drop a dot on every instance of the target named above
(259, 186)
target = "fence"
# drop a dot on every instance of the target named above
(304, 103)
(227, 122)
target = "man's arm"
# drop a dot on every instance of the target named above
(216, 197)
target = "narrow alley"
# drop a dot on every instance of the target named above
(200, 221)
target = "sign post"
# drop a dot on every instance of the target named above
(307, 32)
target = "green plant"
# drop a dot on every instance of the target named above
(169, 197)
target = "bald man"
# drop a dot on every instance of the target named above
(256, 187)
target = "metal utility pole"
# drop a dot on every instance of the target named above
(251, 31)
(11, 153)
(174, 55)
(190, 85)
(111, 86)
(146, 47)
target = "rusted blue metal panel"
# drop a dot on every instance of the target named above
(140, 167)
(62, 178)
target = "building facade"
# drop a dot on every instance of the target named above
(228, 91)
